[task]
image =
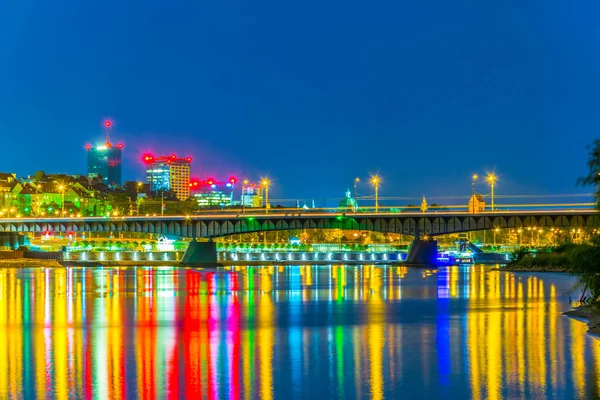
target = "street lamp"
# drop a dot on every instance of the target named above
(491, 178)
(375, 181)
(474, 178)
(244, 186)
(61, 187)
(265, 183)
(137, 196)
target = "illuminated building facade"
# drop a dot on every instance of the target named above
(252, 195)
(211, 193)
(168, 173)
(105, 160)
(476, 203)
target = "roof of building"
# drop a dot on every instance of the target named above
(29, 189)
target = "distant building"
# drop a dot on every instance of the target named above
(252, 195)
(211, 193)
(168, 173)
(476, 204)
(348, 202)
(9, 189)
(105, 161)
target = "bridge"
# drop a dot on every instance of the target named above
(423, 226)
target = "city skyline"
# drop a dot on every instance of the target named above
(314, 104)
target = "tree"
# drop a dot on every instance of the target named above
(583, 260)
(187, 206)
(333, 235)
(120, 202)
(593, 177)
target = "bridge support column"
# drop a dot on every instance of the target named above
(200, 254)
(422, 252)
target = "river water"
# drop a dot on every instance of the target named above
(292, 332)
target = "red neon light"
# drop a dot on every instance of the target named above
(120, 145)
(232, 179)
(173, 156)
(188, 159)
(107, 123)
(194, 184)
(148, 158)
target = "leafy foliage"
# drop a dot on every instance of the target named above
(585, 262)
(593, 177)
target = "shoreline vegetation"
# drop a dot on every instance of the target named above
(588, 312)
(29, 263)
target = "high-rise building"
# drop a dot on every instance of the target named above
(252, 194)
(168, 173)
(104, 160)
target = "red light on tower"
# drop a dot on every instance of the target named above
(173, 156)
(108, 145)
(120, 145)
(148, 158)
(233, 180)
(210, 181)
(88, 147)
(107, 123)
(194, 184)
(188, 159)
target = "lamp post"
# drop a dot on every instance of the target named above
(491, 178)
(356, 181)
(162, 202)
(137, 196)
(474, 177)
(495, 231)
(265, 183)
(375, 181)
(61, 187)
(244, 184)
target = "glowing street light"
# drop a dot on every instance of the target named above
(265, 183)
(474, 178)
(137, 196)
(491, 178)
(375, 181)
(61, 188)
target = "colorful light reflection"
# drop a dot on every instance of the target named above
(270, 332)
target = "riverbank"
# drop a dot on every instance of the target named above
(531, 268)
(590, 313)
(29, 263)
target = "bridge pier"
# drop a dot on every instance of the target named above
(422, 252)
(200, 254)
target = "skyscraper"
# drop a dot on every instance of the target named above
(105, 160)
(167, 173)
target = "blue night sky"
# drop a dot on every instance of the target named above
(309, 93)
